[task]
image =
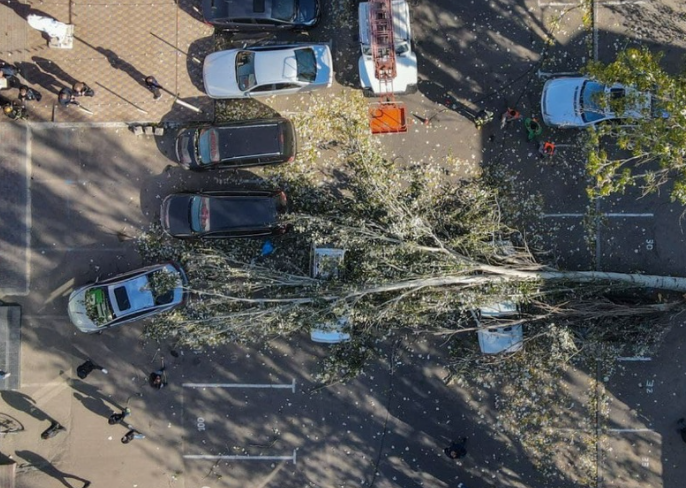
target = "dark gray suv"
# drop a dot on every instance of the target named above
(240, 144)
(261, 15)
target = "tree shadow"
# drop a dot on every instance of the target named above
(45, 466)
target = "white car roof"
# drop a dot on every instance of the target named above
(138, 293)
(273, 64)
(331, 332)
(501, 339)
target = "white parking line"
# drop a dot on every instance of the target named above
(628, 430)
(635, 358)
(559, 4)
(609, 214)
(241, 385)
(244, 457)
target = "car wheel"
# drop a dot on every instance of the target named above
(411, 89)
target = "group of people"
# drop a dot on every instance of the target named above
(9, 79)
(16, 109)
(157, 380)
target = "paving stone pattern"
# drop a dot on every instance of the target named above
(14, 211)
(116, 44)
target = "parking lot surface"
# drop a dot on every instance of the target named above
(76, 194)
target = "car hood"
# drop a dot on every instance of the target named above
(174, 215)
(322, 53)
(406, 73)
(219, 75)
(77, 311)
(185, 148)
(560, 102)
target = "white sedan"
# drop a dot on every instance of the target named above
(128, 297)
(268, 70)
(581, 102)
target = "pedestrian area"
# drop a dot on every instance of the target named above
(116, 45)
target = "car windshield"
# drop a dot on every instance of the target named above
(590, 101)
(245, 70)
(307, 64)
(162, 284)
(208, 146)
(199, 214)
(284, 10)
(98, 307)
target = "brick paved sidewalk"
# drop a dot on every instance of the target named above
(116, 44)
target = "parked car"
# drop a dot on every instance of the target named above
(128, 297)
(268, 70)
(224, 214)
(497, 340)
(325, 264)
(578, 102)
(406, 77)
(261, 15)
(236, 144)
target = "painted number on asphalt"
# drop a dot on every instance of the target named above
(649, 386)
(645, 462)
(650, 244)
(201, 424)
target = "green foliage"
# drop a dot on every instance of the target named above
(650, 151)
(399, 228)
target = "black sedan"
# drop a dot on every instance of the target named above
(225, 214)
(236, 144)
(261, 15)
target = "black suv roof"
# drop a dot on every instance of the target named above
(261, 14)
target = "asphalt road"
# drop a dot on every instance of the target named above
(91, 189)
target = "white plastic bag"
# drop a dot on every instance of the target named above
(50, 26)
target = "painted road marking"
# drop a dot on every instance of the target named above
(243, 457)
(291, 386)
(635, 358)
(559, 4)
(628, 430)
(608, 214)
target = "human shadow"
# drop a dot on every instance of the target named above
(92, 399)
(118, 63)
(34, 75)
(24, 403)
(45, 466)
(51, 68)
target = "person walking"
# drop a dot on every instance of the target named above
(29, 94)
(158, 379)
(115, 418)
(152, 85)
(15, 110)
(546, 150)
(80, 89)
(54, 429)
(510, 115)
(66, 97)
(131, 435)
(86, 368)
(457, 450)
(681, 428)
